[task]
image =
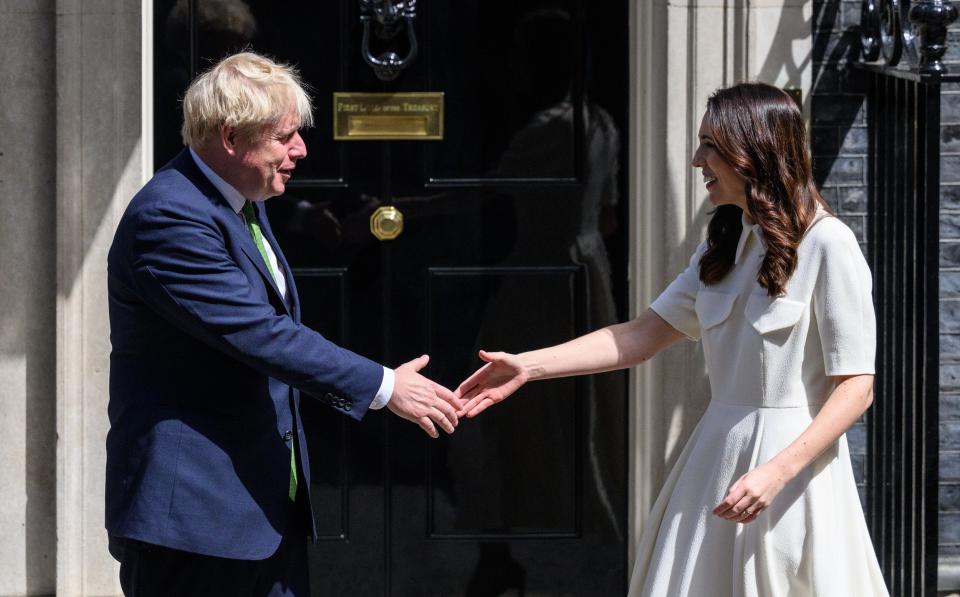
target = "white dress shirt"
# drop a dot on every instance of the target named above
(236, 201)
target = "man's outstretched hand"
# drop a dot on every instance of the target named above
(422, 401)
(501, 376)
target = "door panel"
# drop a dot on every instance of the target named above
(326, 292)
(513, 457)
(512, 241)
(499, 63)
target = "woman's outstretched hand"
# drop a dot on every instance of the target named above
(501, 376)
(752, 494)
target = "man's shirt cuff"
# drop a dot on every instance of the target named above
(385, 391)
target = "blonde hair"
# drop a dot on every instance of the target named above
(244, 91)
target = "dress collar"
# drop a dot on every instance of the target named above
(745, 234)
(754, 229)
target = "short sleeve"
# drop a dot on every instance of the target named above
(843, 304)
(675, 305)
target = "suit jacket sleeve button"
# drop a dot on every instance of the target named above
(288, 435)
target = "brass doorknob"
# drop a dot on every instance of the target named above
(386, 223)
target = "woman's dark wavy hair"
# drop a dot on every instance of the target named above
(759, 131)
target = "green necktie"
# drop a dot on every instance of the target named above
(254, 226)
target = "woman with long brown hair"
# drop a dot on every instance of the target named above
(762, 500)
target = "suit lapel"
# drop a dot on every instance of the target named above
(281, 259)
(235, 223)
(249, 248)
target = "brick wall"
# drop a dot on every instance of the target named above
(950, 333)
(839, 143)
(839, 138)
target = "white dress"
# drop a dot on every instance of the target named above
(769, 362)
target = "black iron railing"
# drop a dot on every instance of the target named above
(903, 44)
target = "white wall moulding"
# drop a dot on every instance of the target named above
(101, 115)
(681, 51)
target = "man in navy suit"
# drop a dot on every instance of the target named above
(207, 469)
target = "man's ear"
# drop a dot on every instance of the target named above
(228, 139)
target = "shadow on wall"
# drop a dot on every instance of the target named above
(683, 402)
(99, 164)
(838, 97)
(686, 392)
(28, 281)
(788, 32)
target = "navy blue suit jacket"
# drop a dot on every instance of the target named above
(206, 366)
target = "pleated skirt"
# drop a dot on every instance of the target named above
(811, 541)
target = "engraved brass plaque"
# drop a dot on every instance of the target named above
(411, 116)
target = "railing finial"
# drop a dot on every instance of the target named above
(870, 30)
(931, 19)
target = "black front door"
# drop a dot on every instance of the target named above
(513, 238)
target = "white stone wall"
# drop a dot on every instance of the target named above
(681, 51)
(27, 297)
(102, 68)
(70, 158)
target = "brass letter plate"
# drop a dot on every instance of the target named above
(388, 116)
